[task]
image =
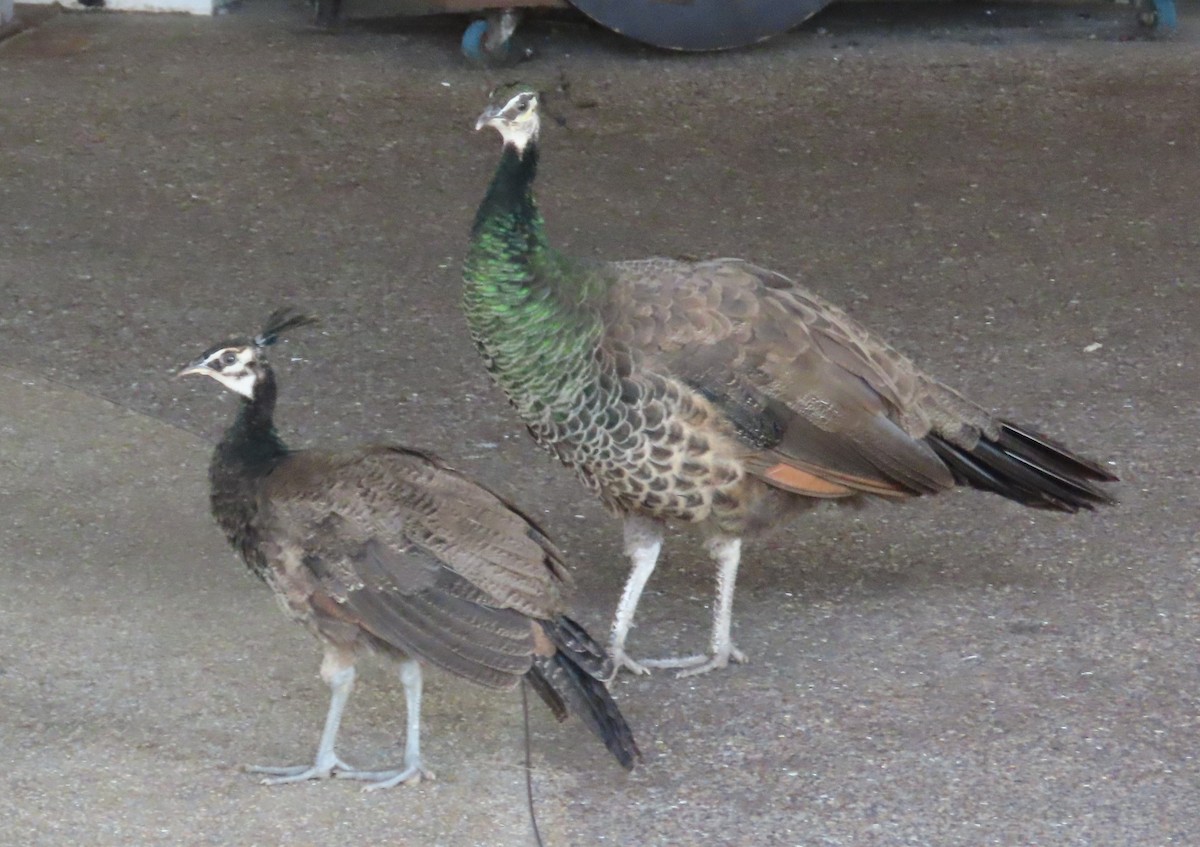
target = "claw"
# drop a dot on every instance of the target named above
(699, 664)
(714, 663)
(287, 774)
(623, 661)
(375, 780)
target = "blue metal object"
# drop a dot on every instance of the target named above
(1166, 14)
(472, 40)
(488, 42)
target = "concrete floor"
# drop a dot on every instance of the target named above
(1009, 193)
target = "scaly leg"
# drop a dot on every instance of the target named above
(337, 669)
(643, 542)
(412, 772)
(727, 552)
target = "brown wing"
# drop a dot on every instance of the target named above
(420, 557)
(826, 409)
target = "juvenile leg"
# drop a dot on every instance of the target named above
(337, 669)
(411, 773)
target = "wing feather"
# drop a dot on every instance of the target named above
(826, 409)
(423, 559)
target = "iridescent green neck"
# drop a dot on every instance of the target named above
(534, 315)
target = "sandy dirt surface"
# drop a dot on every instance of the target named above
(1009, 193)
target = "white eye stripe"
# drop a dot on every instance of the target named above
(226, 358)
(521, 104)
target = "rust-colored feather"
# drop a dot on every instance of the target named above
(802, 482)
(720, 392)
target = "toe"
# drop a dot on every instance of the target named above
(622, 661)
(715, 662)
(408, 776)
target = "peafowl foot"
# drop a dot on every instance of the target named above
(622, 661)
(699, 664)
(409, 775)
(287, 774)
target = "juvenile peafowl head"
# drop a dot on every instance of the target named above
(240, 364)
(513, 111)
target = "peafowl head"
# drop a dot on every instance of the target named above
(513, 111)
(240, 364)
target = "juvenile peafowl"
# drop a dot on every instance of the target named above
(387, 550)
(717, 392)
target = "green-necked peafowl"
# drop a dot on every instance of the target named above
(717, 392)
(387, 550)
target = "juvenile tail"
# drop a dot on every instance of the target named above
(570, 683)
(1026, 466)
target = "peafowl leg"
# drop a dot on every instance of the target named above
(643, 543)
(337, 669)
(728, 553)
(411, 772)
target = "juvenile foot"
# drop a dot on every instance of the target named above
(299, 773)
(375, 780)
(340, 770)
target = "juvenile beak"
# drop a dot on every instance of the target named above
(489, 115)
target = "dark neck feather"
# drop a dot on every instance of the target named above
(250, 450)
(511, 191)
(251, 445)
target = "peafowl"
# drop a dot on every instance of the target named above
(717, 392)
(385, 549)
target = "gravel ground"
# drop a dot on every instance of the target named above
(1008, 192)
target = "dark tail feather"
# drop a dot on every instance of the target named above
(570, 683)
(1026, 466)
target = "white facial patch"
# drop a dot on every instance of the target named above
(518, 121)
(242, 383)
(231, 367)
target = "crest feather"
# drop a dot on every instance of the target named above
(279, 322)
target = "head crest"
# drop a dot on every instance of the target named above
(508, 90)
(279, 322)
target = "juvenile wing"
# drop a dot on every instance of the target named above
(438, 567)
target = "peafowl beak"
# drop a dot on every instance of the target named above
(489, 115)
(196, 367)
